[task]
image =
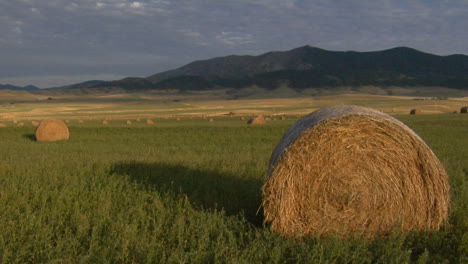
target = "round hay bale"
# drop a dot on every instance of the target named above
(242, 118)
(416, 112)
(15, 122)
(149, 122)
(129, 122)
(178, 119)
(104, 122)
(67, 121)
(349, 170)
(257, 120)
(2, 125)
(464, 110)
(138, 119)
(211, 120)
(21, 124)
(52, 130)
(35, 123)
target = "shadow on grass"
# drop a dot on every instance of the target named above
(208, 189)
(31, 137)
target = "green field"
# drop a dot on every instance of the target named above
(188, 192)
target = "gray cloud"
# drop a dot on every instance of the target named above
(138, 38)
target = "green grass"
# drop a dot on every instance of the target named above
(187, 192)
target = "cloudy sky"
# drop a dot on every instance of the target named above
(56, 42)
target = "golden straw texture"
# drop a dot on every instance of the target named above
(351, 170)
(52, 130)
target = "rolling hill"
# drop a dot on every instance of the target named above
(298, 69)
(308, 67)
(18, 88)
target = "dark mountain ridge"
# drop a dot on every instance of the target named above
(301, 68)
(313, 67)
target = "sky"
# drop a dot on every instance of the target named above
(51, 43)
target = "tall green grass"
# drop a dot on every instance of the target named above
(187, 192)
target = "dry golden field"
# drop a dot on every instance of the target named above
(24, 106)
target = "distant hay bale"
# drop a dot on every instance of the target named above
(52, 130)
(67, 121)
(464, 110)
(211, 120)
(104, 122)
(242, 118)
(416, 112)
(268, 119)
(21, 124)
(15, 122)
(178, 119)
(350, 170)
(35, 123)
(2, 125)
(257, 120)
(283, 118)
(149, 122)
(129, 122)
(138, 119)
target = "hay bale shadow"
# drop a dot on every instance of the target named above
(207, 189)
(31, 137)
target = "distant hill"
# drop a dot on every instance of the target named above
(18, 88)
(129, 83)
(309, 67)
(77, 85)
(302, 68)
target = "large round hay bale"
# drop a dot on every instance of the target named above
(464, 110)
(257, 120)
(349, 170)
(149, 122)
(416, 112)
(52, 130)
(128, 122)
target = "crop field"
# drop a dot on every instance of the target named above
(189, 191)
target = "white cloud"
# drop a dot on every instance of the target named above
(235, 38)
(136, 5)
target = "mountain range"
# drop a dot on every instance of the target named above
(305, 67)
(18, 88)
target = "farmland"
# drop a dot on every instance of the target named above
(189, 191)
